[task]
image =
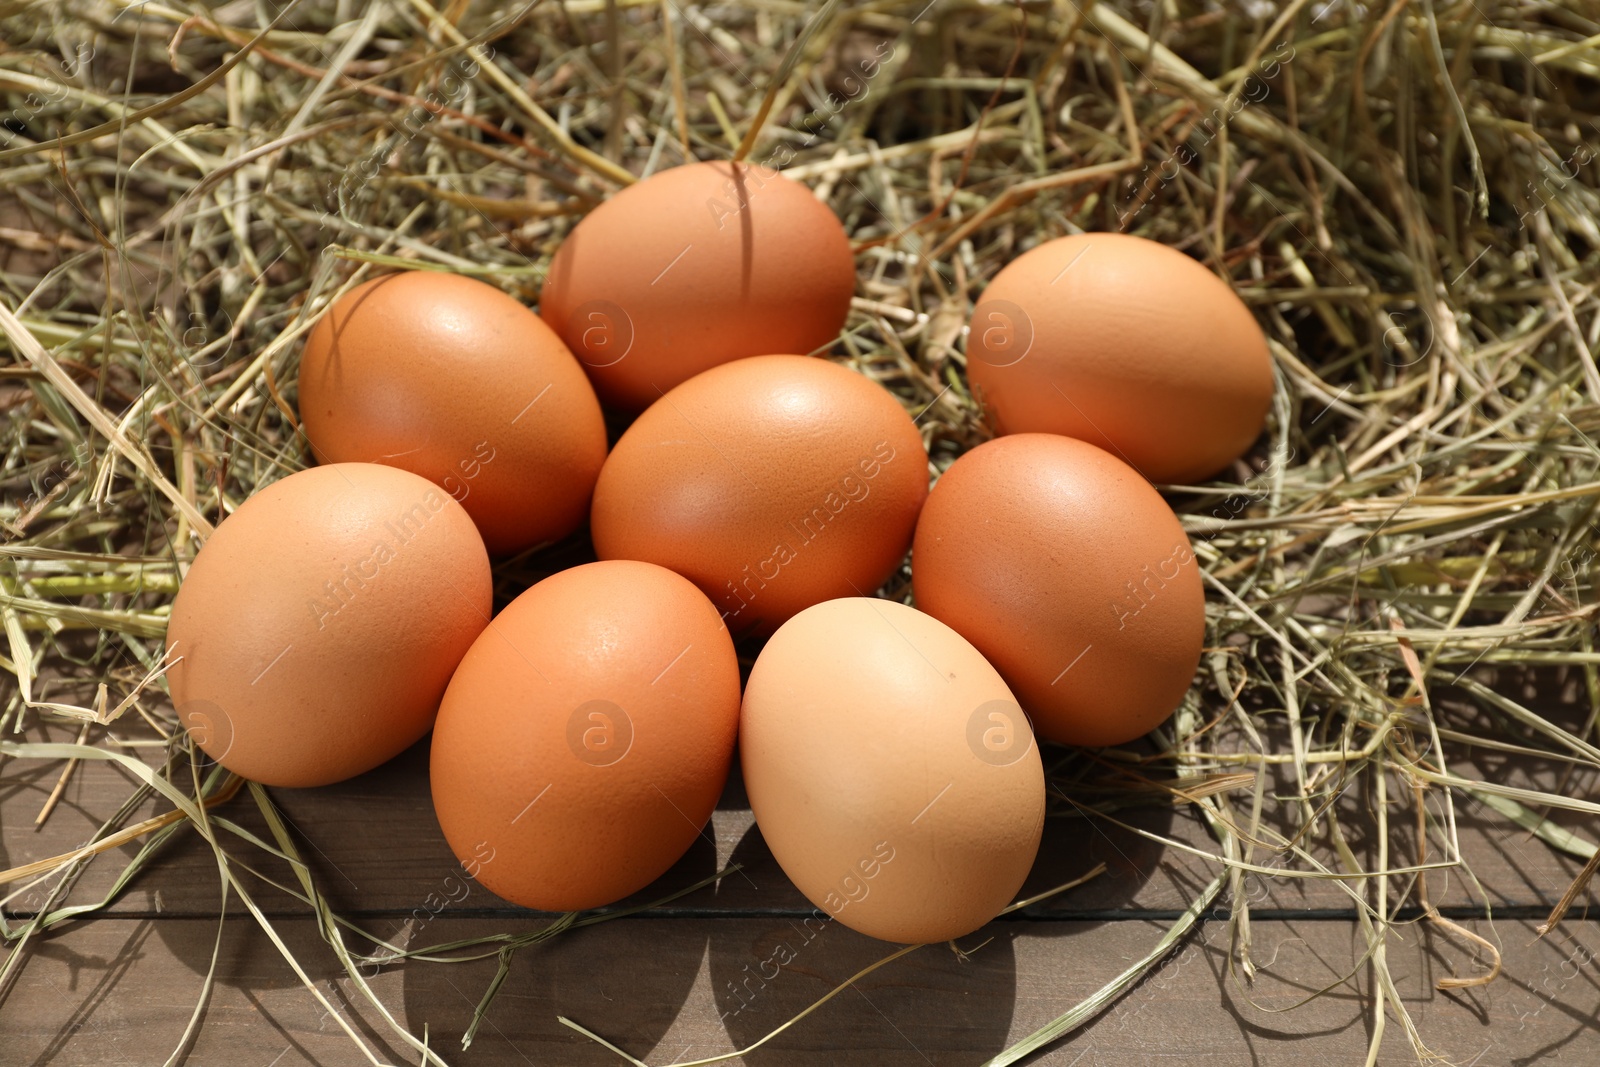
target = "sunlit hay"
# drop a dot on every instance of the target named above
(1404, 193)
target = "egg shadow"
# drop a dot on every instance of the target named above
(370, 844)
(1141, 875)
(516, 574)
(779, 955)
(625, 978)
(1076, 839)
(376, 852)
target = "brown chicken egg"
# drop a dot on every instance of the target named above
(772, 483)
(1127, 344)
(586, 736)
(693, 267)
(1071, 574)
(320, 624)
(890, 770)
(452, 379)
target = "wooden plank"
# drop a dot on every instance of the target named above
(377, 849)
(120, 990)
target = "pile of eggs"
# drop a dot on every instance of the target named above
(583, 735)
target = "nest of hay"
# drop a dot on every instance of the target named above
(1404, 193)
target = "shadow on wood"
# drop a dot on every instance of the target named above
(626, 980)
(766, 971)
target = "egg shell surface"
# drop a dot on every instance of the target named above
(454, 380)
(692, 267)
(1073, 576)
(1127, 344)
(587, 735)
(321, 622)
(773, 483)
(890, 770)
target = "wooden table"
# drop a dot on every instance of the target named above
(680, 982)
